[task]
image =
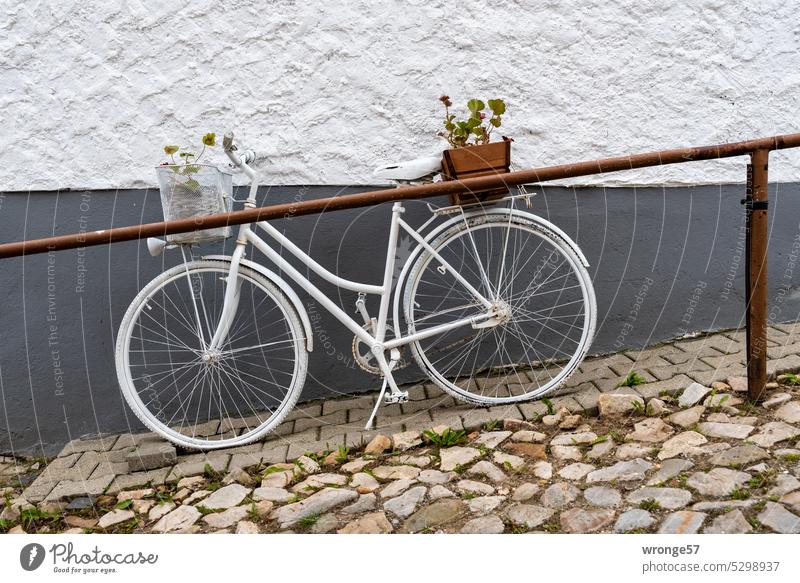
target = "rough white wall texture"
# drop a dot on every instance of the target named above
(91, 90)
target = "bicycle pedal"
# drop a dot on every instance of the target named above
(392, 398)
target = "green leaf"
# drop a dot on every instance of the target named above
(210, 139)
(473, 122)
(495, 121)
(478, 132)
(498, 106)
(475, 105)
(186, 154)
(170, 150)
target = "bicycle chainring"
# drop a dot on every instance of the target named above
(362, 354)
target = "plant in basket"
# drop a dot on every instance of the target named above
(190, 189)
(472, 153)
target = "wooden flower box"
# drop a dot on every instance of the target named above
(474, 161)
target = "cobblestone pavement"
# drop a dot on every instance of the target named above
(679, 452)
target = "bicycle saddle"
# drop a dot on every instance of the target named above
(410, 169)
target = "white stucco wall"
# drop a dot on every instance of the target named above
(90, 90)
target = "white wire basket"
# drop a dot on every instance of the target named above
(194, 190)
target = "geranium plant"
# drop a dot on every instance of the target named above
(477, 128)
(188, 164)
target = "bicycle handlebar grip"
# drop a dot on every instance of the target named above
(251, 156)
(227, 142)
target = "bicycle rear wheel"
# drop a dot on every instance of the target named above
(544, 293)
(194, 398)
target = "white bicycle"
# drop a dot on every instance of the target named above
(496, 304)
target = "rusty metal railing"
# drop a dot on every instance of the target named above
(755, 201)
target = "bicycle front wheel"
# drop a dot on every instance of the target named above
(200, 399)
(539, 286)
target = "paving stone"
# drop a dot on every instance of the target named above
(723, 400)
(317, 481)
(575, 471)
(528, 516)
(530, 450)
(682, 444)
(317, 503)
(181, 518)
(687, 417)
(784, 483)
(375, 523)
(776, 517)
(732, 522)
(693, 394)
(682, 522)
(573, 438)
(436, 477)
(508, 461)
(378, 445)
(492, 439)
(247, 527)
(196, 465)
(356, 465)
(629, 451)
(717, 482)
(434, 515)
(771, 433)
(790, 412)
(98, 444)
(723, 504)
(668, 470)
(543, 470)
(776, 400)
(601, 449)
(579, 520)
(525, 491)
(739, 455)
(405, 504)
(473, 487)
(725, 430)
(406, 440)
(602, 496)
(564, 452)
(396, 488)
(226, 518)
(151, 456)
(453, 457)
(396, 472)
(491, 524)
(618, 404)
(419, 461)
(225, 497)
(484, 504)
(159, 510)
(487, 470)
(364, 503)
(528, 436)
(621, 471)
(279, 495)
(114, 517)
(651, 430)
(69, 489)
(559, 495)
(636, 519)
(438, 491)
(668, 498)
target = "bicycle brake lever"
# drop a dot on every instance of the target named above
(227, 142)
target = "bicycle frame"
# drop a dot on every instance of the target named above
(378, 341)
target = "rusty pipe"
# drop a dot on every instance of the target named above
(659, 158)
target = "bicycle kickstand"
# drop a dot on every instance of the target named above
(396, 395)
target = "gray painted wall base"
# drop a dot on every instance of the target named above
(665, 262)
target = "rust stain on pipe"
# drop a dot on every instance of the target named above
(660, 158)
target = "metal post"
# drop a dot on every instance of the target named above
(756, 274)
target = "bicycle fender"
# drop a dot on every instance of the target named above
(283, 286)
